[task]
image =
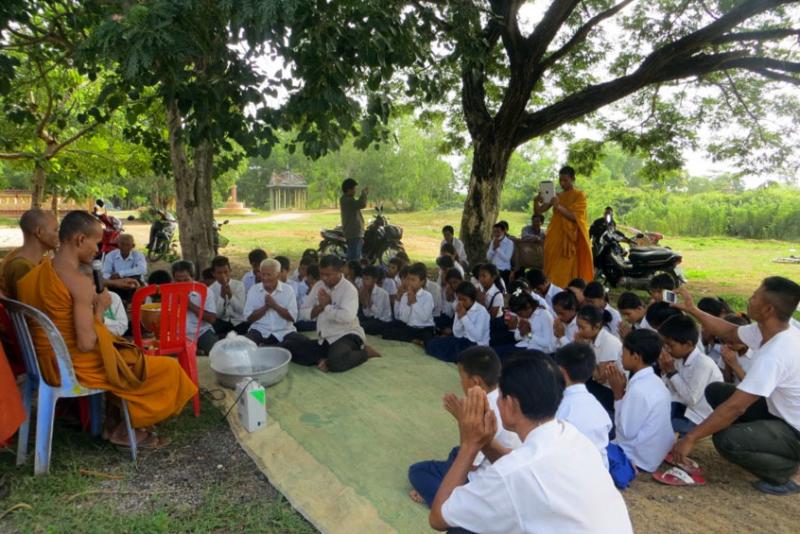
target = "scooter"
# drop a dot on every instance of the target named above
(382, 241)
(162, 235)
(112, 228)
(632, 268)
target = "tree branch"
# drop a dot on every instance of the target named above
(40, 133)
(13, 156)
(757, 35)
(72, 139)
(548, 27)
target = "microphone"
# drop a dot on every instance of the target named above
(97, 275)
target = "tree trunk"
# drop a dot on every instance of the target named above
(54, 203)
(37, 192)
(193, 194)
(489, 164)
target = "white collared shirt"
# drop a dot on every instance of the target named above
(210, 305)
(584, 412)
(616, 318)
(501, 256)
(745, 361)
(541, 337)
(494, 298)
(643, 420)
(379, 306)
(419, 314)
(688, 386)
(504, 437)
(474, 325)
(554, 482)
(340, 317)
(249, 280)
(552, 291)
(272, 324)
(775, 373)
(436, 292)
(608, 348)
(134, 265)
(459, 246)
(389, 286)
(570, 330)
(115, 318)
(229, 309)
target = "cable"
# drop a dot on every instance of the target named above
(225, 417)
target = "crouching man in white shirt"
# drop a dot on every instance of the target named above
(555, 482)
(756, 424)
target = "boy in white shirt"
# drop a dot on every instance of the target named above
(477, 366)
(375, 312)
(271, 307)
(414, 310)
(311, 277)
(229, 296)
(183, 271)
(452, 279)
(687, 371)
(542, 286)
(470, 327)
(735, 358)
(531, 323)
(579, 407)
(253, 276)
(501, 250)
(642, 403)
(535, 487)
(450, 239)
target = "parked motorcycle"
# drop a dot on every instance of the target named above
(382, 241)
(112, 228)
(632, 268)
(162, 235)
(220, 241)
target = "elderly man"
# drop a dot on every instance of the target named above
(271, 307)
(125, 263)
(40, 236)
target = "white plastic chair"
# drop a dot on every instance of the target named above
(48, 395)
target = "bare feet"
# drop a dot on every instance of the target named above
(322, 365)
(371, 352)
(145, 439)
(418, 342)
(416, 497)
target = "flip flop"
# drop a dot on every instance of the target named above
(689, 465)
(790, 488)
(675, 476)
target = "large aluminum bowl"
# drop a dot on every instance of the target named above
(268, 365)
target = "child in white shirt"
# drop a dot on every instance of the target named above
(115, 318)
(531, 323)
(542, 286)
(565, 325)
(687, 371)
(501, 250)
(492, 288)
(309, 280)
(375, 311)
(579, 407)
(253, 276)
(736, 358)
(633, 310)
(595, 294)
(470, 327)
(352, 271)
(607, 350)
(452, 279)
(414, 309)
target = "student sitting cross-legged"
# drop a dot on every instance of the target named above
(183, 271)
(643, 429)
(579, 407)
(632, 309)
(607, 350)
(531, 323)
(595, 294)
(414, 309)
(311, 277)
(230, 297)
(565, 324)
(470, 327)
(271, 307)
(375, 309)
(554, 482)
(687, 371)
(452, 279)
(477, 366)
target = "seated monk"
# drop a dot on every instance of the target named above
(39, 236)
(154, 386)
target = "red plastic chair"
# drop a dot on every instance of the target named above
(172, 338)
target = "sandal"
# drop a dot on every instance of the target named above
(689, 465)
(675, 476)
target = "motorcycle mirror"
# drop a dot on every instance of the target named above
(131, 218)
(100, 202)
(608, 218)
(226, 221)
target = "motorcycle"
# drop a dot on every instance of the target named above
(382, 241)
(220, 241)
(162, 235)
(632, 268)
(112, 228)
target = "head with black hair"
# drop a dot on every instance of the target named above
(445, 262)
(537, 280)
(207, 276)
(312, 275)
(466, 295)
(305, 261)
(352, 270)
(658, 312)
(421, 270)
(640, 349)
(371, 276)
(349, 187)
(522, 303)
(448, 232)
(255, 257)
(776, 298)
(394, 266)
(565, 306)
(478, 366)
(447, 249)
(488, 276)
(159, 277)
(531, 389)
(330, 270)
(183, 271)
(714, 306)
(453, 278)
(566, 178)
(631, 307)
(738, 320)
(415, 279)
(591, 321)
(679, 334)
(519, 283)
(577, 285)
(658, 284)
(577, 362)
(220, 270)
(595, 294)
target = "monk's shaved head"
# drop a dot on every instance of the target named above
(33, 219)
(78, 222)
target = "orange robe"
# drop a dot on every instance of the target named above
(155, 386)
(567, 248)
(12, 414)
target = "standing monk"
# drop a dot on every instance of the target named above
(352, 220)
(154, 386)
(39, 236)
(567, 249)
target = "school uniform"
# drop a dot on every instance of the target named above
(541, 336)
(230, 310)
(271, 328)
(607, 348)
(115, 318)
(426, 477)
(570, 329)
(461, 254)
(745, 361)
(642, 420)
(501, 256)
(301, 290)
(688, 386)
(445, 319)
(552, 291)
(643, 324)
(494, 298)
(389, 285)
(534, 489)
(412, 321)
(206, 337)
(714, 351)
(470, 330)
(616, 319)
(581, 409)
(436, 292)
(378, 314)
(248, 280)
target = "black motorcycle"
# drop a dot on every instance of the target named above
(162, 235)
(632, 268)
(382, 241)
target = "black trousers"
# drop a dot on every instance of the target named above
(206, 342)
(344, 354)
(222, 328)
(258, 338)
(757, 441)
(373, 327)
(400, 331)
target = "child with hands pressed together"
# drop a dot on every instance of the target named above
(607, 349)
(735, 358)
(531, 323)
(565, 324)
(470, 327)
(376, 310)
(413, 311)
(453, 279)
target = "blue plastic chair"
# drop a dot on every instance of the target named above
(49, 395)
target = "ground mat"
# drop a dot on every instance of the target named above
(338, 445)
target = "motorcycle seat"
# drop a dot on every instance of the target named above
(648, 254)
(333, 234)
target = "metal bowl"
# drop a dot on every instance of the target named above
(268, 365)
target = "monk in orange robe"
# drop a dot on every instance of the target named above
(155, 386)
(567, 249)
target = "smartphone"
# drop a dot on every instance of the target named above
(547, 191)
(670, 296)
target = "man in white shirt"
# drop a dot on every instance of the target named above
(501, 250)
(579, 407)
(448, 233)
(333, 303)
(271, 307)
(183, 271)
(125, 263)
(229, 296)
(757, 423)
(554, 482)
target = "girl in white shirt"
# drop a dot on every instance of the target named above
(444, 323)
(565, 325)
(595, 294)
(492, 289)
(607, 349)
(470, 327)
(375, 311)
(532, 325)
